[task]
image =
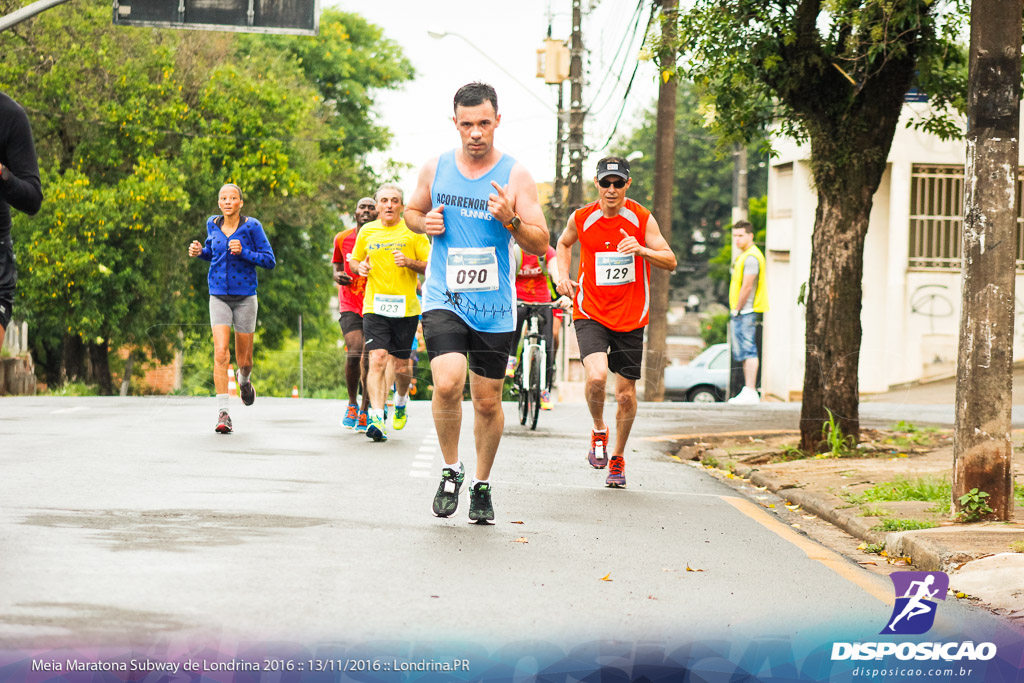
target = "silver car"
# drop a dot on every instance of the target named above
(705, 379)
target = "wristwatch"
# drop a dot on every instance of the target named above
(515, 222)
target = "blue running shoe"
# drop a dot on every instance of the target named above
(351, 417)
(362, 422)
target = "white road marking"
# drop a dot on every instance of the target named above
(68, 410)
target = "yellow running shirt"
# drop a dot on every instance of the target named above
(386, 278)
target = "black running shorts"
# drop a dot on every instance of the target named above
(486, 352)
(625, 349)
(8, 278)
(394, 335)
(350, 322)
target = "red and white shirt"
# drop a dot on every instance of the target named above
(615, 289)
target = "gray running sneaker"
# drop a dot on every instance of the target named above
(247, 393)
(481, 510)
(446, 500)
(223, 423)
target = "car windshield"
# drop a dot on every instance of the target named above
(705, 356)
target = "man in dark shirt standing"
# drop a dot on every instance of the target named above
(19, 188)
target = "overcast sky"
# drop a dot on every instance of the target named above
(509, 33)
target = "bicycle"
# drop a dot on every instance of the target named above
(531, 375)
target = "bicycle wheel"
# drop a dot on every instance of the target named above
(534, 387)
(524, 395)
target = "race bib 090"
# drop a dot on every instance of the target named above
(472, 269)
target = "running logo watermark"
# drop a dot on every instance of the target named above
(916, 595)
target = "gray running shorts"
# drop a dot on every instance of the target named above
(234, 311)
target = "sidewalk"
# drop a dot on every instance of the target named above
(977, 556)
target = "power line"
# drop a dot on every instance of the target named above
(629, 87)
(635, 21)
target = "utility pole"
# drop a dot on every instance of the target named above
(577, 150)
(740, 211)
(739, 183)
(982, 449)
(664, 179)
(558, 216)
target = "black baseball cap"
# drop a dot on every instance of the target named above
(613, 166)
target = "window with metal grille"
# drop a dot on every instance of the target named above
(936, 217)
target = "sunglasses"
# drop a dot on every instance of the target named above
(619, 184)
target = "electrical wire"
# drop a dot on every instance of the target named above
(629, 87)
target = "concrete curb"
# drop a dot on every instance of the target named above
(925, 555)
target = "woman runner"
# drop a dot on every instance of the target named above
(235, 245)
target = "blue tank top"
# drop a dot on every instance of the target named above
(471, 271)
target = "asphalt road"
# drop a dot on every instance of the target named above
(130, 523)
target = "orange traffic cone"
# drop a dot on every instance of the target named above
(232, 385)
(295, 391)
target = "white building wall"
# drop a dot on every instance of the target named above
(910, 319)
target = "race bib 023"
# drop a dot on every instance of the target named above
(389, 305)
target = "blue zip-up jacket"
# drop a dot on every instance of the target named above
(232, 274)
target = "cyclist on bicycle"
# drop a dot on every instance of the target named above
(532, 287)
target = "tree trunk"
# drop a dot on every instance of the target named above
(982, 448)
(834, 294)
(73, 359)
(126, 381)
(98, 355)
(664, 179)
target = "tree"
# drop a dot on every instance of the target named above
(136, 130)
(832, 73)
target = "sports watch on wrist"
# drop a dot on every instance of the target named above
(515, 222)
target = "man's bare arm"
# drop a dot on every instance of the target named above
(420, 203)
(566, 286)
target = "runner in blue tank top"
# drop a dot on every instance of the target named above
(475, 203)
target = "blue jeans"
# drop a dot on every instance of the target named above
(744, 341)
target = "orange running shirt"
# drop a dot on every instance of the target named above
(532, 278)
(605, 294)
(350, 298)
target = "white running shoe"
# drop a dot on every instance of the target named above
(746, 397)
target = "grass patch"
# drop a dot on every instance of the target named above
(872, 511)
(908, 434)
(904, 525)
(930, 489)
(1018, 493)
(1017, 546)
(873, 548)
(73, 389)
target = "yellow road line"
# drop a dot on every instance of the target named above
(722, 435)
(813, 550)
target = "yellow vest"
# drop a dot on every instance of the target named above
(760, 293)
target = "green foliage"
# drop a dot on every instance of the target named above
(1017, 546)
(714, 329)
(838, 444)
(973, 506)
(136, 130)
(873, 548)
(910, 435)
(872, 511)
(1018, 493)
(904, 525)
(758, 63)
(930, 489)
(73, 389)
